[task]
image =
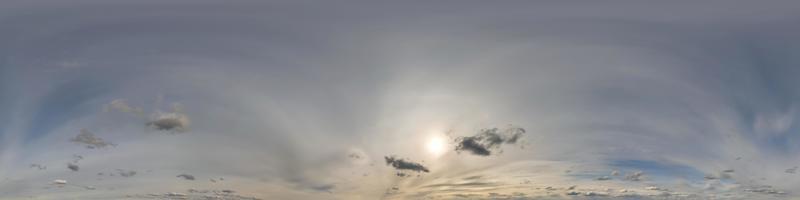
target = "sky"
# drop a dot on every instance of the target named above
(399, 100)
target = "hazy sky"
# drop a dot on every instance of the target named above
(357, 100)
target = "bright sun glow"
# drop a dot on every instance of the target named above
(436, 145)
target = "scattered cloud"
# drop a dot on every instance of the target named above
(460, 184)
(725, 174)
(186, 177)
(635, 176)
(401, 174)
(603, 178)
(73, 167)
(594, 94)
(473, 177)
(169, 121)
(90, 140)
(488, 140)
(324, 188)
(764, 189)
(655, 188)
(121, 105)
(354, 156)
(196, 194)
(38, 166)
(357, 156)
(76, 158)
(774, 123)
(401, 164)
(126, 173)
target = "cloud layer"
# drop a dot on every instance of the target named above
(290, 100)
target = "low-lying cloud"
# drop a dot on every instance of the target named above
(186, 177)
(126, 173)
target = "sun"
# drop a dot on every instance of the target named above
(436, 145)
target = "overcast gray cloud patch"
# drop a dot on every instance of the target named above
(91, 141)
(488, 141)
(402, 164)
(169, 121)
(186, 177)
(73, 167)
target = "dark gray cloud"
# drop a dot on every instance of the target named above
(169, 121)
(401, 174)
(73, 167)
(488, 140)
(402, 164)
(90, 140)
(186, 176)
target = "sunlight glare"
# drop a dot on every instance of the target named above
(437, 145)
